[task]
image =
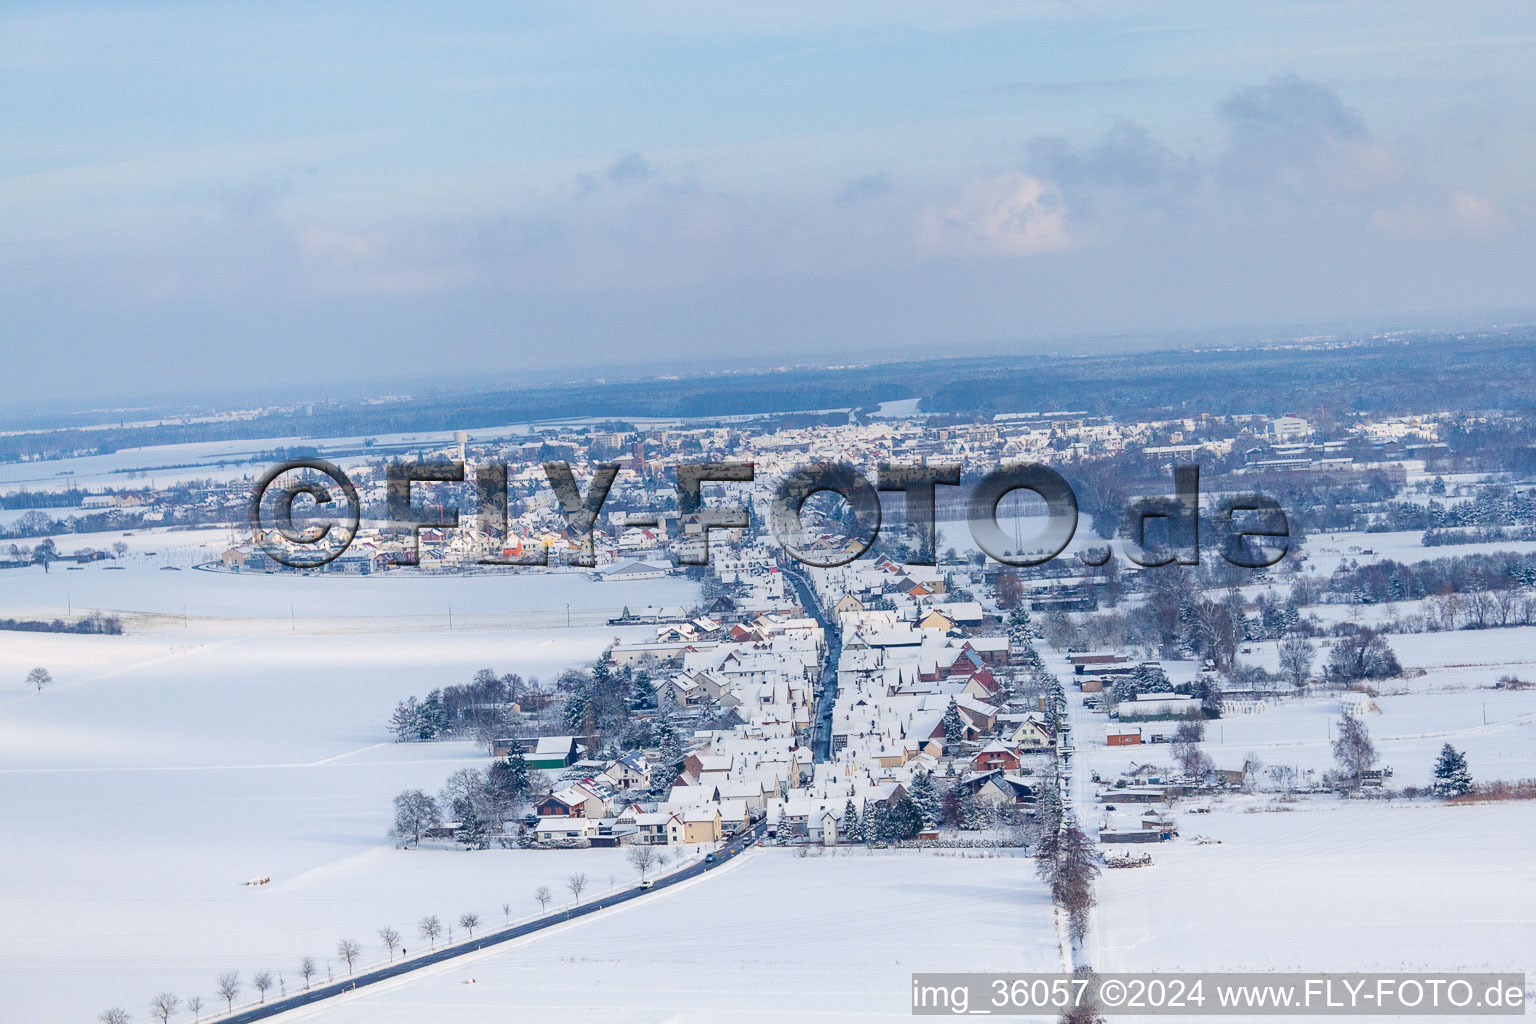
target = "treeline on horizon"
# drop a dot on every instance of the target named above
(1419, 374)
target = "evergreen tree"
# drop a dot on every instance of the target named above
(471, 830)
(877, 824)
(954, 725)
(906, 821)
(1452, 776)
(642, 691)
(1020, 630)
(974, 814)
(852, 828)
(405, 723)
(576, 707)
(433, 719)
(669, 759)
(925, 796)
(508, 780)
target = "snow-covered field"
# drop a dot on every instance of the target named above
(141, 582)
(162, 769)
(1329, 886)
(1326, 551)
(768, 938)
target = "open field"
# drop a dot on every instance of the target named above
(156, 583)
(1331, 886)
(164, 768)
(834, 937)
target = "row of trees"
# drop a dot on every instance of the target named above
(431, 928)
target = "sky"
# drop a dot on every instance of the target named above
(208, 197)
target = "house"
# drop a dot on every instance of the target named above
(823, 828)
(995, 755)
(650, 826)
(1032, 736)
(982, 685)
(847, 603)
(632, 771)
(582, 800)
(551, 830)
(540, 752)
(936, 620)
(701, 824)
(998, 788)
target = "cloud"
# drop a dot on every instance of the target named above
(1012, 214)
(869, 186)
(1461, 213)
(1127, 164)
(1298, 135)
(629, 169)
(1290, 152)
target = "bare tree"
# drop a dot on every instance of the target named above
(642, 857)
(543, 895)
(1085, 1010)
(1189, 731)
(469, 922)
(1192, 760)
(506, 913)
(415, 813)
(391, 939)
(430, 928)
(576, 883)
(195, 1007)
(262, 981)
(1445, 610)
(307, 970)
(1284, 776)
(1296, 661)
(349, 951)
(1068, 860)
(39, 677)
(113, 1016)
(1353, 750)
(228, 988)
(163, 1005)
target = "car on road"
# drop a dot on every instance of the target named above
(647, 884)
(709, 858)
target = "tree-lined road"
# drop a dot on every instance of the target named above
(739, 844)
